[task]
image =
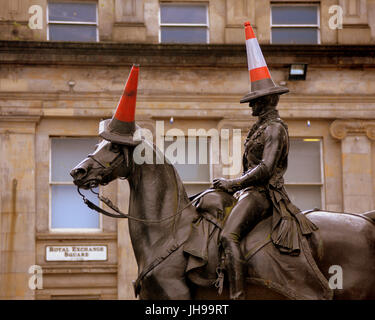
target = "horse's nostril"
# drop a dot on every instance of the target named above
(78, 173)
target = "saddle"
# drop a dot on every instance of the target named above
(296, 277)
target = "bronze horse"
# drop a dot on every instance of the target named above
(160, 219)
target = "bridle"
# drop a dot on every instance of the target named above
(110, 167)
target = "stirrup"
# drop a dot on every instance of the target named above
(219, 283)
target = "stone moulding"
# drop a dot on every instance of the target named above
(13, 124)
(339, 129)
(167, 55)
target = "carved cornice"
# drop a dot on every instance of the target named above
(341, 128)
(166, 55)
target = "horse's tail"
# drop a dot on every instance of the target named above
(370, 215)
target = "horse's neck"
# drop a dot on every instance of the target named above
(156, 193)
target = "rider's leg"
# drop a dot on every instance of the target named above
(244, 216)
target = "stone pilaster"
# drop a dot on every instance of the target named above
(129, 23)
(355, 22)
(17, 209)
(14, 20)
(358, 186)
(237, 12)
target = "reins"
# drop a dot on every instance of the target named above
(120, 214)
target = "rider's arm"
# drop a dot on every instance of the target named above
(275, 140)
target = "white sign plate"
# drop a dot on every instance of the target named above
(76, 253)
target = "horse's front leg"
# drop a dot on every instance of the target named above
(167, 280)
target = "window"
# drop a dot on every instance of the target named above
(304, 178)
(295, 24)
(68, 21)
(183, 23)
(67, 210)
(194, 167)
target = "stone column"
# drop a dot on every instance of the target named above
(17, 209)
(358, 189)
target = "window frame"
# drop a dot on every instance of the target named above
(297, 4)
(209, 145)
(182, 4)
(51, 183)
(57, 22)
(321, 184)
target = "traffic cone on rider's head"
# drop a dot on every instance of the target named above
(121, 127)
(260, 78)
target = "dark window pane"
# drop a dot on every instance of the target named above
(59, 32)
(305, 197)
(83, 12)
(294, 35)
(69, 211)
(184, 35)
(294, 15)
(183, 14)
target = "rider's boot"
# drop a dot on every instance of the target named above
(235, 266)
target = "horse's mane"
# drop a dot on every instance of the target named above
(159, 159)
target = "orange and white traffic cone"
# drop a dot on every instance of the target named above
(260, 78)
(121, 127)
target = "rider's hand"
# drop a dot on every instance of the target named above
(224, 184)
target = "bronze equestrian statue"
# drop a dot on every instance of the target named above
(175, 239)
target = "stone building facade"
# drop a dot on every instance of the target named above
(54, 91)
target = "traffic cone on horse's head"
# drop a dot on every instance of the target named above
(121, 127)
(260, 78)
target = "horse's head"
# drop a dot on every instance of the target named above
(108, 162)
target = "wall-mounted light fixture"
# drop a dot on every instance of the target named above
(71, 84)
(297, 71)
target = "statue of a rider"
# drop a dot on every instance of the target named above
(260, 189)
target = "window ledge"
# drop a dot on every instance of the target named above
(74, 268)
(77, 236)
